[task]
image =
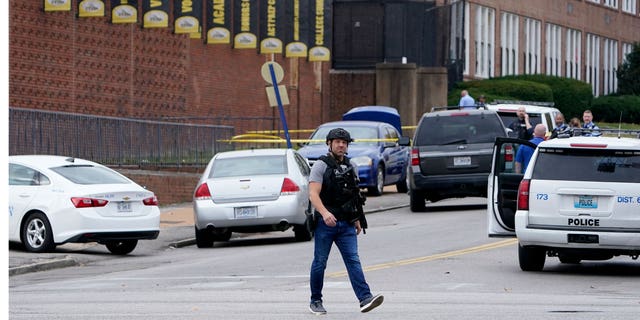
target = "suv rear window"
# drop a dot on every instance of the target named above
(509, 117)
(587, 165)
(443, 130)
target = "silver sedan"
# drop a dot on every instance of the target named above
(250, 191)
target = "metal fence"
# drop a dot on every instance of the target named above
(115, 141)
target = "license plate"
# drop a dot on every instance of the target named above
(245, 212)
(124, 206)
(461, 161)
(585, 202)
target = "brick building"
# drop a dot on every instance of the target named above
(580, 39)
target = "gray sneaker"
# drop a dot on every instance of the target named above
(370, 303)
(316, 307)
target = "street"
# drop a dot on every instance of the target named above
(437, 264)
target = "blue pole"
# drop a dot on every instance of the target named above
(282, 117)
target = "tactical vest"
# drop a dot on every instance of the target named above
(340, 189)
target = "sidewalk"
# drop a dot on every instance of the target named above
(172, 216)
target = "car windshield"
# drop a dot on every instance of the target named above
(587, 165)
(459, 130)
(88, 174)
(365, 135)
(248, 166)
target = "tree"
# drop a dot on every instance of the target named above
(629, 72)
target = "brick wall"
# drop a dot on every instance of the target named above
(60, 62)
(169, 186)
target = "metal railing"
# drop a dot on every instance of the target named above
(115, 141)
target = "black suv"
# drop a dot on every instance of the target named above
(451, 155)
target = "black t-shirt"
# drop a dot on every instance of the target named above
(520, 128)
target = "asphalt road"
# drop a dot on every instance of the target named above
(430, 265)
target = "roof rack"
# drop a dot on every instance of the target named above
(531, 103)
(617, 132)
(442, 108)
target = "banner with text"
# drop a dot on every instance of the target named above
(90, 8)
(155, 13)
(245, 24)
(57, 5)
(124, 11)
(296, 28)
(188, 15)
(320, 17)
(272, 25)
(218, 21)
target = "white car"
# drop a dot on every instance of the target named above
(539, 112)
(579, 199)
(256, 190)
(55, 200)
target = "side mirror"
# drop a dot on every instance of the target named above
(510, 133)
(404, 141)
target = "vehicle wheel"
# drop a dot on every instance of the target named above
(302, 233)
(377, 190)
(569, 259)
(221, 235)
(402, 186)
(37, 235)
(204, 238)
(121, 247)
(531, 258)
(417, 201)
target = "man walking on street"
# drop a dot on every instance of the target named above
(334, 193)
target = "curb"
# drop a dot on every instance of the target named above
(41, 266)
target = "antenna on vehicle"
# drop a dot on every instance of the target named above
(620, 125)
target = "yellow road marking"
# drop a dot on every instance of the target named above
(449, 254)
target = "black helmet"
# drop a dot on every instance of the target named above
(339, 133)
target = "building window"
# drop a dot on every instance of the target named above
(626, 49)
(629, 6)
(595, 1)
(553, 50)
(509, 29)
(467, 62)
(484, 41)
(592, 65)
(611, 3)
(532, 46)
(573, 57)
(610, 66)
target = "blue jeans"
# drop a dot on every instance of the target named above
(345, 237)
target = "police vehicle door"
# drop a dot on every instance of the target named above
(502, 188)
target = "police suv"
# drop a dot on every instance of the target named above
(579, 199)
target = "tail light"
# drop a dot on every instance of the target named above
(415, 157)
(80, 202)
(508, 153)
(151, 201)
(289, 187)
(523, 195)
(202, 193)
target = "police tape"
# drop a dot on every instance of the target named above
(261, 138)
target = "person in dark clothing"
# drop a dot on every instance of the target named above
(561, 126)
(521, 126)
(333, 191)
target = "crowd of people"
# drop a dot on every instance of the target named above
(524, 130)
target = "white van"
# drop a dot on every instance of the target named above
(539, 112)
(579, 199)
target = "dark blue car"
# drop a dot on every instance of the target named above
(379, 150)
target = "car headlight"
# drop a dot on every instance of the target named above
(362, 161)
